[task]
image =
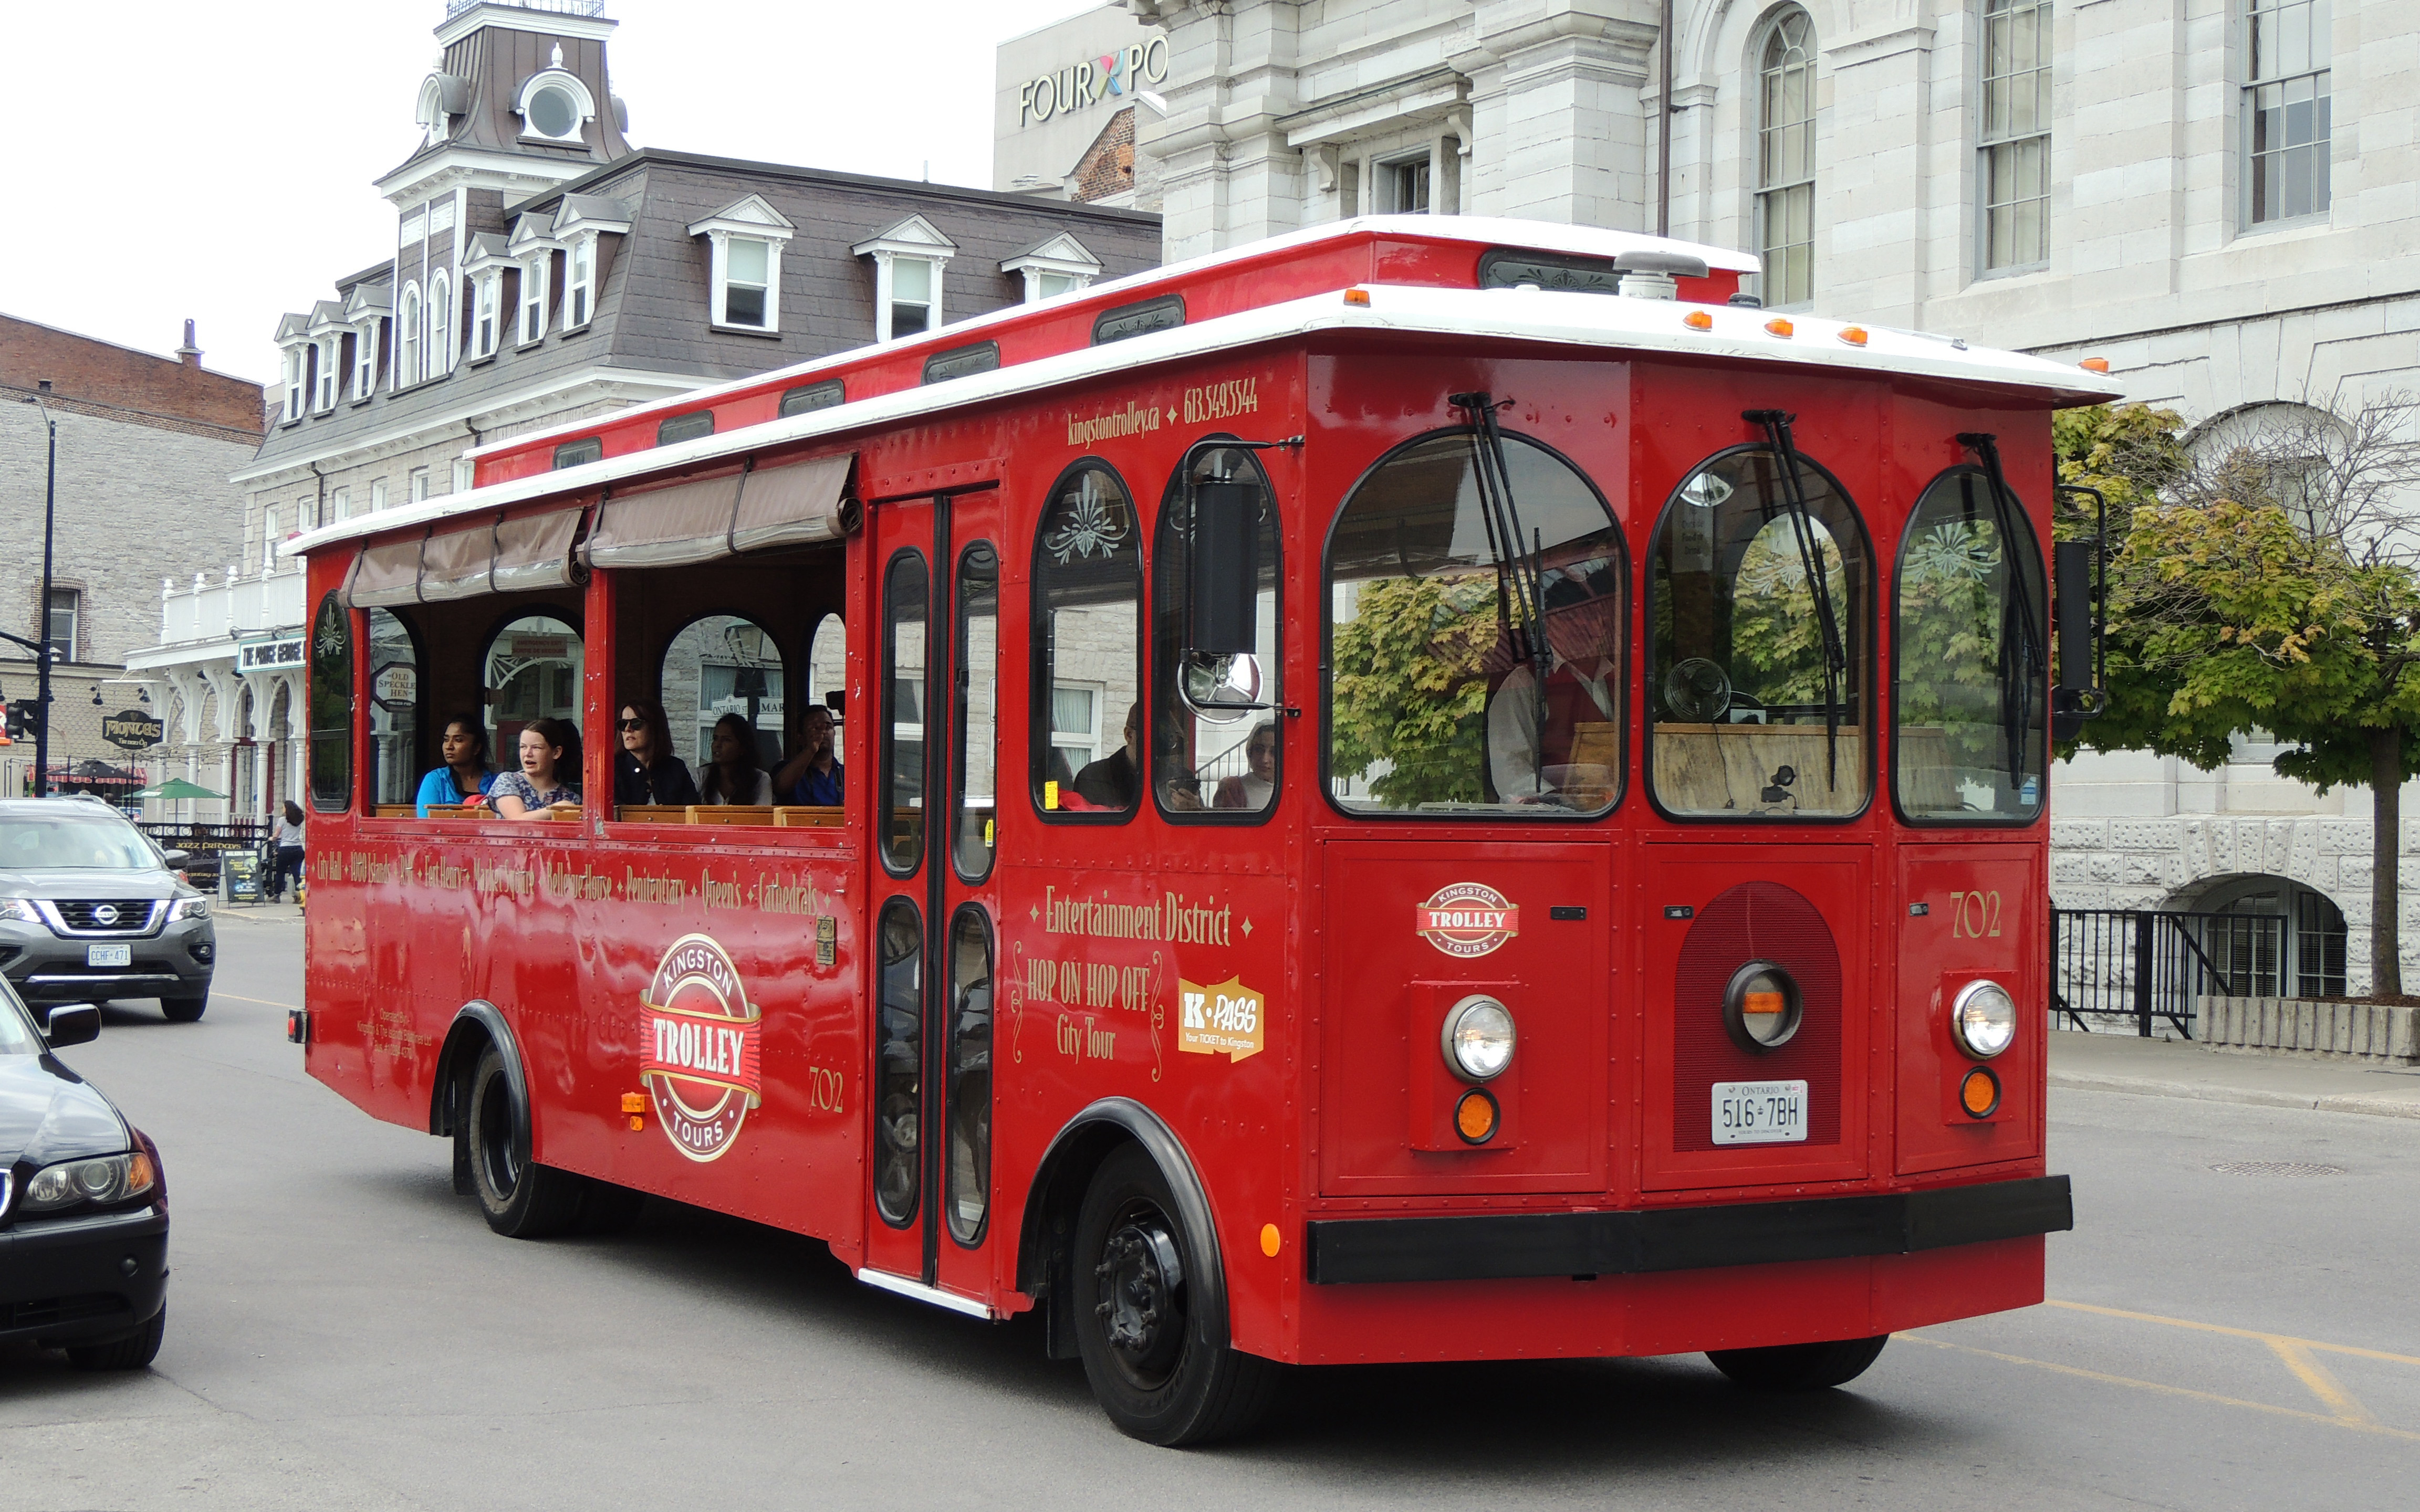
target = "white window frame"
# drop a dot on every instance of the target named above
(2012, 142)
(51, 613)
(722, 283)
(913, 237)
(409, 320)
(568, 82)
(296, 367)
(442, 323)
(1392, 174)
(326, 383)
(340, 503)
(419, 486)
(1061, 257)
(465, 473)
(1777, 195)
(268, 540)
(488, 313)
(532, 304)
(1070, 740)
(378, 494)
(885, 270)
(365, 337)
(2317, 65)
(579, 281)
(752, 219)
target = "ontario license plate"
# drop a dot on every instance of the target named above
(109, 955)
(1759, 1113)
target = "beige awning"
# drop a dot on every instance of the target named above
(535, 551)
(456, 564)
(791, 505)
(385, 576)
(713, 518)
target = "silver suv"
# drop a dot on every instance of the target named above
(91, 909)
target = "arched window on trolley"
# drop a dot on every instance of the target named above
(1446, 695)
(1760, 670)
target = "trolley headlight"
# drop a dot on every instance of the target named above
(1479, 1037)
(1762, 1006)
(1984, 1019)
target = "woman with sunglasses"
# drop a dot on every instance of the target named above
(646, 771)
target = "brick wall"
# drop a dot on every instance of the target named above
(79, 367)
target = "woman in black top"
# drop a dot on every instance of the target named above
(646, 771)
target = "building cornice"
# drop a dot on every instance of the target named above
(430, 174)
(514, 18)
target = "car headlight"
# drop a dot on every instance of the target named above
(191, 908)
(1983, 1017)
(19, 909)
(1479, 1037)
(96, 1182)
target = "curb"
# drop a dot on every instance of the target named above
(2388, 1108)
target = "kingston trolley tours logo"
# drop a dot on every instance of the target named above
(703, 1048)
(1466, 919)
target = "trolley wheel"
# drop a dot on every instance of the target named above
(520, 1198)
(1799, 1366)
(132, 1351)
(183, 1009)
(1158, 1362)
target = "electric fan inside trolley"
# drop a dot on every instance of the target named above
(1698, 691)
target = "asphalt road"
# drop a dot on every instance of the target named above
(346, 1333)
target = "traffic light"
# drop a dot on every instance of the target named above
(24, 721)
(7, 724)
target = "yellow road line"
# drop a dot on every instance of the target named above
(2323, 1385)
(2357, 1426)
(2272, 1340)
(262, 1001)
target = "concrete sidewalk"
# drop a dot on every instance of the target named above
(2168, 1068)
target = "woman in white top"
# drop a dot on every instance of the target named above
(735, 777)
(287, 835)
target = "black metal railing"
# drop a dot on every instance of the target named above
(2118, 969)
(205, 843)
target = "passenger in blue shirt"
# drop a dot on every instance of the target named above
(465, 774)
(813, 777)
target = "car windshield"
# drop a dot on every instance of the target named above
(76, 842)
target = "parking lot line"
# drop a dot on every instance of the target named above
(2271, 1339)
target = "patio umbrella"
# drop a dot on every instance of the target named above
(176, 790)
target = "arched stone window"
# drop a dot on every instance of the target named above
(1785, 158)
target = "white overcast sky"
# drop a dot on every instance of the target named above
(169, 159)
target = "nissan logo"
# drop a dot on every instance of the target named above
(105, 914)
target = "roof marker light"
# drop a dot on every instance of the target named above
(1780, 326)
(1699, 320)
(1853, 335)
(2094, 364)
(1357, 296)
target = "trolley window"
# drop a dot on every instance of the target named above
(1757, 596)
(1088, 657)
(898, 1064)
(1441, 697)
(970, 1079)
(975, 832)
(394, 709)
(726, 671)
(1215, 744)
(1969, 742)
(332, 706)
(905, 595)
(531, 672)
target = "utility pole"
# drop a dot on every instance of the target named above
(42, 655)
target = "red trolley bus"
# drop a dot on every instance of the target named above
(1431, 789)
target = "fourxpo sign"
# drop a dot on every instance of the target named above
(1079, 85)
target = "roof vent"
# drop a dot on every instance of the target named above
(1650, 275)
(1747, 302)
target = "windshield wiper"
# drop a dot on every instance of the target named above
(2020, 626)
(1810, 562)
(1520, 578)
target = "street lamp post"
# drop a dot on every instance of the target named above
(42, 655)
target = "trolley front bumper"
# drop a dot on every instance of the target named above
(1507, 1246)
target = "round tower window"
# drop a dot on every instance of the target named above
(553, 113)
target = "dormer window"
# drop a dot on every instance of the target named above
(909, 261)
(744, 265)
(325, 397)
(483, 325)
(552, 105)
(1061, 265)
(297, 367)
(580, 283)
(441, 324)
(365, 344)
(534, 299)
(444, 99)
(407, 372)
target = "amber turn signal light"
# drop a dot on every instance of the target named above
(1357, 296)
(637, 1123)
(1853, 335)
(634, 1102)
(1475, 1117)
(1699, 320)
(1980, 1093)
(2094, 364)
(1781, 327)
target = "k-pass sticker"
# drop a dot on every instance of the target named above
(1224, 1019)
(1466, 919)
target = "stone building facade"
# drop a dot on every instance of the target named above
(145, 446)
(2219, 197)
(545, 272)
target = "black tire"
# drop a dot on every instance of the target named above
(134, 1351)
(1799, 1366)
(1154, 1346)
(520, 1198)
(184, 1010)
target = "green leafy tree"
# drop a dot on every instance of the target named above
(2268, 585)
(1411, 688)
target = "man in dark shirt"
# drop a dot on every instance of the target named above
(813, 777)
(1110, 783)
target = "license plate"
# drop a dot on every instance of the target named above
(1759, 1113)
(109, 955)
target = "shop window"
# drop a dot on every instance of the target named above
(1088, 613)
